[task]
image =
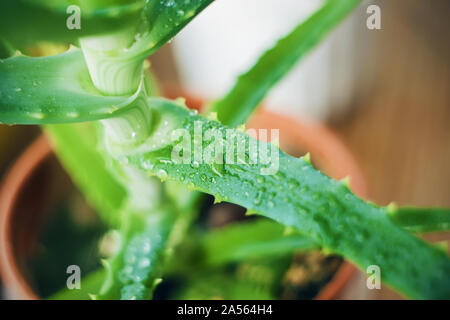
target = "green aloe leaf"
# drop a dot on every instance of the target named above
(59, 89)
(263, 238)
(53, 89)
(76, 147)
(25, 22)
(133, 273)
(421, 219)
(143, 236)
(251, 240)
(165, 18)
(251, 87)
(300, 196)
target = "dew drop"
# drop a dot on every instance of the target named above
(147, 165)
(72, 114)
(162, 174)
(292, 185)
(131, 259)
(37, 115)
(146, 247)
(257, 200)
(195, 164)
(128, 269)
(144, 262)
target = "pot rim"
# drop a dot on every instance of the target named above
(12, 184)
(40, 150)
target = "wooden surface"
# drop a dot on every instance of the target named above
(399, 130)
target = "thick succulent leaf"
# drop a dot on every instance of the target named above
(421, 219)
(76, 147)
(265, 238)
(251, 240)
(302, 197)
(163, 19)
(58, 89)
(134, 271)
(252, 86)
(53, 89)
(98, 176)
(160, 21)
(147, 240)
(24, 22)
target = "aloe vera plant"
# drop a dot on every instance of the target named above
(137, 157)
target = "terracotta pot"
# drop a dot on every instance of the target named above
(17, 233)
(18, 229)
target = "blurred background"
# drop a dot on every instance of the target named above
(385, 92)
